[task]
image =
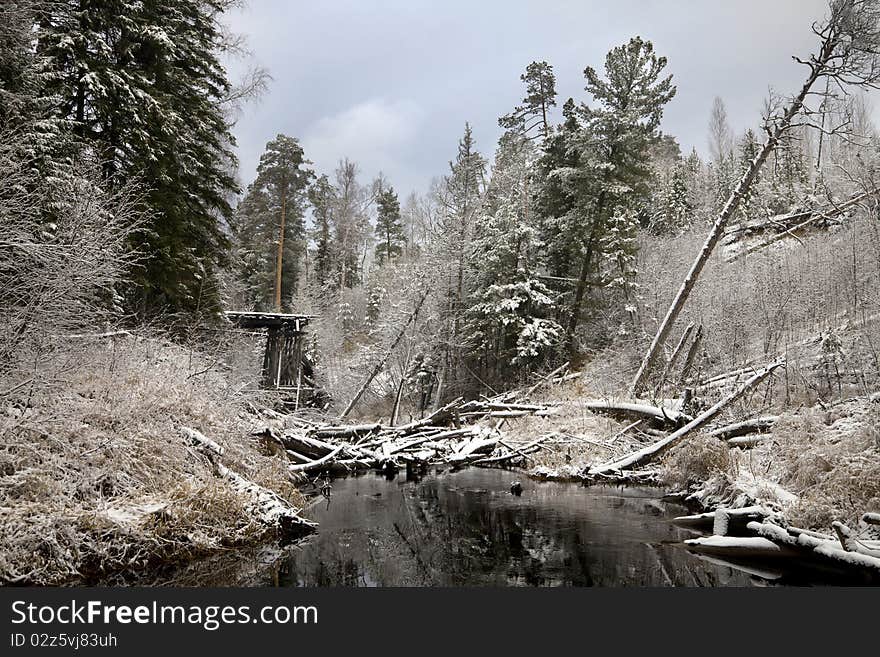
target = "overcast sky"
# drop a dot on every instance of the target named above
(390, 84)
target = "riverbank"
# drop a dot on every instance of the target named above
(99, 484)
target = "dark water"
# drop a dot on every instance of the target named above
(466, 528)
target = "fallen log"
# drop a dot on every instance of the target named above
(313, 465)
(302, 444)
(755, 425)
(647, 453)
(747, 442)
(743, 547)
(269, 507)
(723, 521)
(660, 414)
(849, 542)
(797, 221)
(436, 417)
(345, 431)
(202, 442)
(821, 548)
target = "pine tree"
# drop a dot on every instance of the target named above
(613, 166)
(270, 223)
(142, 84)
(530, 118)
(389, 229)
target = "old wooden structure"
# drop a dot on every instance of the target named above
(285, 366)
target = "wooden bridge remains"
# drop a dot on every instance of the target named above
(285, 365)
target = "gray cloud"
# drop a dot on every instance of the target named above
(390, 84)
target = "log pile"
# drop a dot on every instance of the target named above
(450, 436)
(757, 540)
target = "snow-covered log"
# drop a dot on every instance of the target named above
(723, 521)
(204, 444)
(316, 464)
(268, 506)
(747, 442)
(820, 548)
(306, 445)
(666, 416)
(740, 547)
(345, 431)
(755, 425)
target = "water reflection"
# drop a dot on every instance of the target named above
(466, 528)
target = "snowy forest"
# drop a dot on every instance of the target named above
(586, 302)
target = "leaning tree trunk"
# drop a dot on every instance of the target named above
(729, 209)
(384, 359)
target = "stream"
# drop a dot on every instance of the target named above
(466, 528)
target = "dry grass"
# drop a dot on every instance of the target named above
(95, 478)
(831, 460)
(694, 461)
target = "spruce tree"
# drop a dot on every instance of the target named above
(748, 149)
(507, 321)
(141, 83)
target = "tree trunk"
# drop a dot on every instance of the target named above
(280, 261)
(580, 290)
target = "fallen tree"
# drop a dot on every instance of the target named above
(744, 428)
(848, 56)
(660, 415)
(271, 509)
